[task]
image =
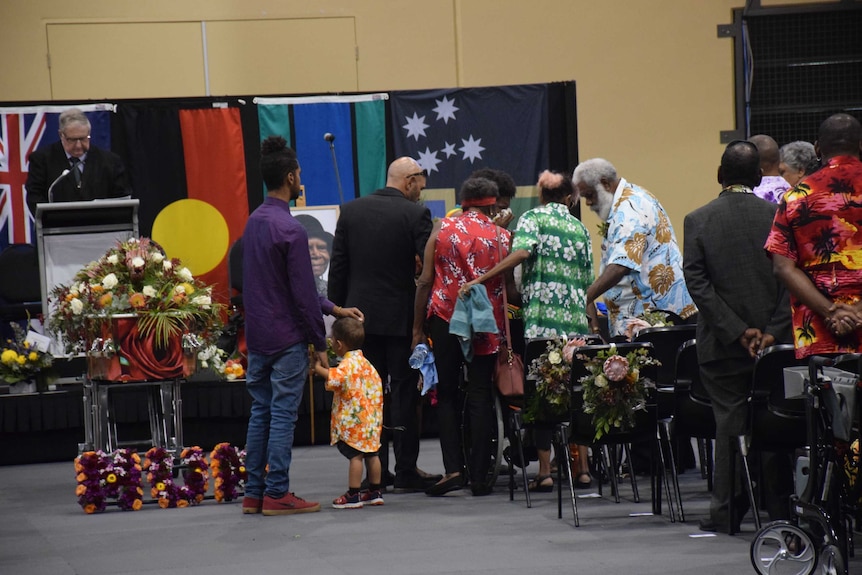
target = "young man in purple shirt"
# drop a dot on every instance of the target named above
(283, 316)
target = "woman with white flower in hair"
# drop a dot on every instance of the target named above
(554, 248)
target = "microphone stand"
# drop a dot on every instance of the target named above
(65, 173)
(335, 165)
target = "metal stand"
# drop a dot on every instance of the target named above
(164, 403)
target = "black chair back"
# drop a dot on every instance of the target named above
(768, 380)
(20, 285)
(666, 341)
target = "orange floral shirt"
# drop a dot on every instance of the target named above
(357, 407)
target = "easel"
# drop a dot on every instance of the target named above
(300, 203)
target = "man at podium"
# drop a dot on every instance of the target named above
(73, 170)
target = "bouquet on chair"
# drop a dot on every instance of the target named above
(614, 389)
(551, 371)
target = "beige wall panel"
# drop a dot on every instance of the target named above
(134, 60)
(282, 56)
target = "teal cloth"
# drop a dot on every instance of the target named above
(473, 314)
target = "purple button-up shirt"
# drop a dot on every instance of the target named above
(281, 304)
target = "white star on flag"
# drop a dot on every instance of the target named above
(449, 150)
(471, 148)
(428, 160)
(415, 126)
(445, 109)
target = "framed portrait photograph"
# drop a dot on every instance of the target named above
(319, 222)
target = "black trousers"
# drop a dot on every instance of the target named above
(389, 355)
(479, 402)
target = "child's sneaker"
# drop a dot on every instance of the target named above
(348, 501)
(371, 497)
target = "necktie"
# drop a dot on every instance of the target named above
(76, 170)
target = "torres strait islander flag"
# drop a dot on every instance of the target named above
(188, 169)
(453, 132)
(23, 130)
(358, 124)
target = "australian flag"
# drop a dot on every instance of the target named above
(453, 132)
(23, 130)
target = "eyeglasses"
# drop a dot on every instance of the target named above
(423, 173)
(81, 140)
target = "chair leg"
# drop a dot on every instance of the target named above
(610, 464)
(665, 429)
(627, 449)
(701, 456)
(743, 448)
(517, 433)
(563, 442)
(710, 464)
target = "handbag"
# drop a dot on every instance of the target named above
(509, 371)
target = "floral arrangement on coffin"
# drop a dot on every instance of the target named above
(135, 276)
(551, 371)
(650, 318)
(159, 466)
(228, 469)
(614, 389)
(101, 477)
(20, 360)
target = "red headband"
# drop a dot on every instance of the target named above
(479, 202)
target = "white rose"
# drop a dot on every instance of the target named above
(158, 257)
(138, 262)
(202, 300)
(77, 306)
(149, 291)
(555, 358)
(185, 274)
(179, 289)
(601, 381)
(83, 287)
(167, 265)
(110, 281)
(113, 259)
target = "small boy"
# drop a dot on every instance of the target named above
(357, 412)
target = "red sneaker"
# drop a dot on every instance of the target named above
(348, 501)
(369, 497)
(251, 504)
(288, 504)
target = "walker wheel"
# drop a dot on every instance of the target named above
(831, 561)
(782, 548)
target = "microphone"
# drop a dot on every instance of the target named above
(62, 175)
(331, 139)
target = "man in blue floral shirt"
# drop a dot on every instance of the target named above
(641, 268)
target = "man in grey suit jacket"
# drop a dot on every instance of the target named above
(373, 267)
(743, 309)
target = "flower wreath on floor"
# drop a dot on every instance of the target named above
(159, 465)
(228, 469)
(614, 389)
(102, 477)
(551, 372)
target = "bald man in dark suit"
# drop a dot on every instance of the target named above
(743, 309)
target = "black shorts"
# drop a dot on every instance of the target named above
(351, 452)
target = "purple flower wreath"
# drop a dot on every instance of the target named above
(228, 467)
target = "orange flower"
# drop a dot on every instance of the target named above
(163, 503)
(81, 489)
(219, 496)
(140, 491)
(199, 497)
(89, 508)
(136, 458)
(137, 504)
(154, 492)
(81, 477)
(137, 300)
(105, 300)
(97, 288)
(182, 503)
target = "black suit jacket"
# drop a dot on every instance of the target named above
(104, 176)
(373, 263)
(729, 275)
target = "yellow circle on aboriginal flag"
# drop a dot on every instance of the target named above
(193, 231)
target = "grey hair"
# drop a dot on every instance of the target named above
(592, 172)
(73, 116)
(800, 155)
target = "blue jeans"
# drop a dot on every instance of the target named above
(275, 383)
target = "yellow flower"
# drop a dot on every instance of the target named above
(160, 486)
(21, 359)
(9, 356)
(33, 356)
(111, 478)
